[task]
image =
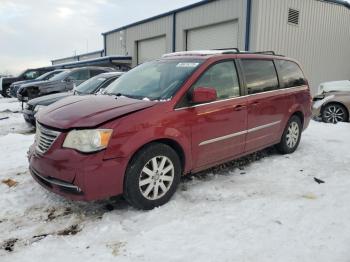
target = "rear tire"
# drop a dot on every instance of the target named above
(291, 136)
(152, 176)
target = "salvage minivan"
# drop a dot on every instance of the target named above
(177, 115)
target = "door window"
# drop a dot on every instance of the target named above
(80, 75)
(223, 77)
(290, 73)
(31, 75)
(260, 75)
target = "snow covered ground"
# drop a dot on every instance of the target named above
(266, 207)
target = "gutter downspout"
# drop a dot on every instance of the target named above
(248, 24)
(174, 32)
(104, 46)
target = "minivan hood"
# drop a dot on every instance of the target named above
(88, 111)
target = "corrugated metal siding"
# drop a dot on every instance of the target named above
(321, 41)
(152, 29)
(90, 56)
(64, 60)
(211, 13)
(114, 44)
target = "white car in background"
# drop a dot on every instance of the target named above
(334, 86)
(332, 102)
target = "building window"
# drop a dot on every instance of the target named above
(293, 16)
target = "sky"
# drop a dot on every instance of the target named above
(33, 32)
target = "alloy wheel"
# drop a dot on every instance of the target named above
(156, 177)
(334, 114)
(292, 134)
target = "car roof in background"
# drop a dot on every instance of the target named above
(110, 74)
(107, 69)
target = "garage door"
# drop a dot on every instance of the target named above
(218, 36)
(150, 49)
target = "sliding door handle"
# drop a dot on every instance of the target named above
(239, 107)
(255, 103)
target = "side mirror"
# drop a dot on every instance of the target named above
(203, 95)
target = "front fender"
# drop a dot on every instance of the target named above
(125, 143)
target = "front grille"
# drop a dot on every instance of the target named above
(44, 138)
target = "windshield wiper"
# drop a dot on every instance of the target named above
(129, 96)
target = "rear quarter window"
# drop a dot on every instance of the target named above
(260, 75)
(290, 74)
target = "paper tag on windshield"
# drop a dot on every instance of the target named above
(187, 64)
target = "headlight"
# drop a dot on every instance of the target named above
(37, 108)
(87, 141)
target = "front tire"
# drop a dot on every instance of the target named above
(291, 136)
(152, 176)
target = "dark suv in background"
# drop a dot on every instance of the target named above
(28, 74)
(62, 82)
(92, 86)
(16, 85)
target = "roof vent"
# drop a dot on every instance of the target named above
(293, 16)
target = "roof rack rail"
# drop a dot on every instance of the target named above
(227, 51)
(265, 52)
(224, 51)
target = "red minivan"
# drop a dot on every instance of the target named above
(178, 115)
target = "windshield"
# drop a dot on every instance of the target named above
(90, 86)
(60, 76)
(156, 80)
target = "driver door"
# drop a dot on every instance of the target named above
(219, 127)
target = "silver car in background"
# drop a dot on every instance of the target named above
(332, 104)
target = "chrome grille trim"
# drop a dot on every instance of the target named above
(56, 182)
(44, 138)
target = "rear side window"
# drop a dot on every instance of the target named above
(222, 77)
(290, 74)
(260, 75)
(96, 72)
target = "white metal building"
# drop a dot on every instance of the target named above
(82, 57)
(315, 32)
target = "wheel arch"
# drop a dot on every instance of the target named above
(169, 142)
(300, 115)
